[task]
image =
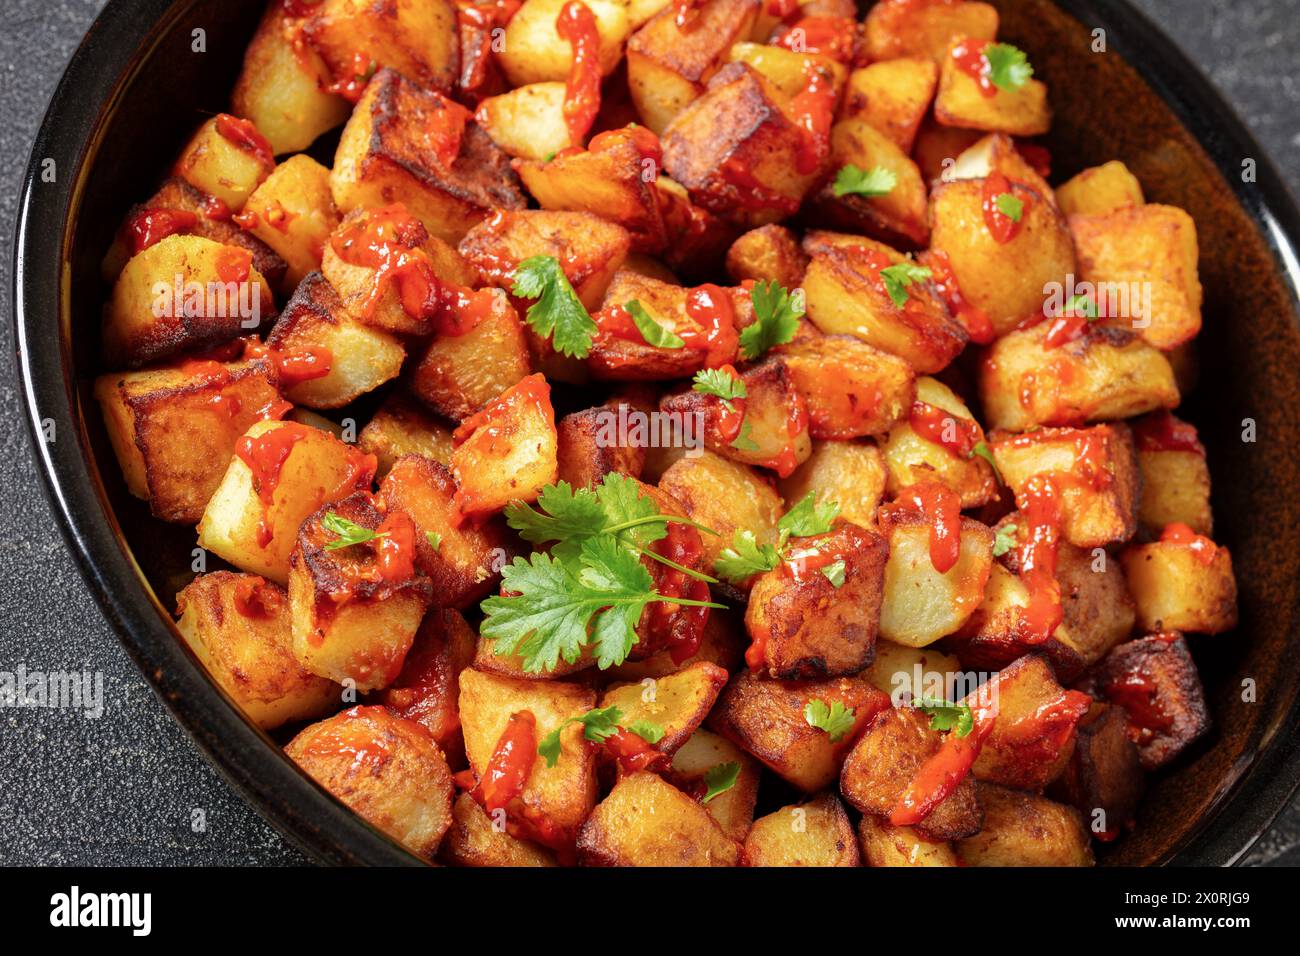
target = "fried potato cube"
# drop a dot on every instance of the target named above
(283, 86)
(528, 121)
(1148, 253)
(736, 151)
(1007, 280)
(1175, 476)
(532, 50)
(466, 564)
(252, 519)
(1099, 190)
(1024, 829)
(564, 794)
(677, 702)
(997, 152)
(1103, 779)
(881, 766)
(1182, 586)
(765, 718)
(1155, 681)
(962, 101)
(359, 357)
(733, 809)
(1097, 509)
(417, 38)
(238, 626)
(885, 845)
(917, 672)
(386, 768)
(816, 833)
(592, 444)
(487, 658)
(920, 604)
(898, 217)
(846, 296)
(388, 154)
(1105, 374)
(292, 211)
(507, 451)
(646, 821)
(174, 429)
(723, 643)
(912, 458)
(806, 627)
(400, 428)
(899, 28)
(182, 294)
(769, 253)
(785, 68)
(667, 67)
(349, 621)
(623, 359)
(848, 472)
(725, 496)
(224, 161)
(892, 96)
(474, 840)
(850, 388)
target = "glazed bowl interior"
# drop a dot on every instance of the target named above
(139, 85)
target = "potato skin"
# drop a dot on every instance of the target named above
(1023, 829)
(816, 833)
(1104, 771)
(400, 428)
(851, 389)
(885, 845)
(472, 840)
(769, 253)
(386, 768)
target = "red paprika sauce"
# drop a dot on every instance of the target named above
(975, 319)
(1001, 226)
(150, 226)
(245, 136)
(577, 24)
(968, 55)
(835, 37)
(940, 775)
(1202, 547)
(941, 508)
(938, 425)
(813, 111)
(1161, 431)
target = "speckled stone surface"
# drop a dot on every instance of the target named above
(128, 787)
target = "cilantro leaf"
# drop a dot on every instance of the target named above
(720, 779)
(715, 381)
(1010, 206)
(982, 449)
(648, 731)
(558, 313)
(745, 558)
(563, 513)
(628, 513)
(598, 725)
(1009, 68)
(807, 518)
(835, 573)
(743, 441)
(946, 716)
(1005, 540)
(855, 181)
(899, 276)
(349, 532)
(434, 539)
(653, 333)
(834, 718)
(1080, 304)
(776, 319)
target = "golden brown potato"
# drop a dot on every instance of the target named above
(885, 845)
(677, 702)
(848, 472)
(998, 153)
(907, 672)
(532, 50)
(293, 212)
(252, 519)
(1182, 584)
(387, 769)
(238, 626)
(1103, 779)
(893, 96)
(646, 821)
(417, 38)
(397, 147)
(937, 148)
(898, 28)
(527, 122)
(725, 496)
(1175, 475)
(589, 445)
(806, 627)
(733, 809)
(1023, 829)
(899, 216)
(473, 840)
(174, 429)
(769, 253)
(850, 388)
(1099, 190)
(816, 833)
(622, 358)
(226, 159)
(965, 101)
(723, 643)
(400, 428)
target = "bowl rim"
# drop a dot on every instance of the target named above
(309, 816)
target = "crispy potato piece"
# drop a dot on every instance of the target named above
(252, 519)
(845, 296)
(725, 496)
(564, 794)
(387, 155)
(359, 357)
(899, 217)
(1007, 280)
(851, 473)
(850, 388)
(467, 563)
(1183, 587)
(1175, 475)
(1099, 190)
(528, 121)
(816, 833)
(805, 627)
(1103, 779)
(1095, 512)
(589, 445)
(736, 151)
(182, 294)
(174, 429)
(893, 96)
(224, 162)
(765, 718)
(387, 769)
(667, 67)
(532, 50)
(885, 845)
(890, 752)
(293, 212)
(400, 428)
(769, 253)
(921, 605)
(487, 659)
(1151, 252)
(963, 101)
(417, 38)
(623, 359)
(1105, 374)
(997, 152)
(917, 672)
(474, 840)
(349, 622)
(723, 643)
(912, 458)
(937, 149)
(898, 28)
(732, 810)
(785, 68)
(646, 821)
(238, 626)
(1023, 829)
(677, 702)
(282, 87)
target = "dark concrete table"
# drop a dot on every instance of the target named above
(125, 788)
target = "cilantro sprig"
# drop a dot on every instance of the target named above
(558, 313)
(747, 557)
(834, 718)
(855, 181)
(650, 329)
(598, 725)
(899, 276)
(776, 319)
(719, 779)
(1011, 206)
(1009, 68)
(982, 450)
(719, 382)
(947, 716)
(1006, 538)
(349, 532)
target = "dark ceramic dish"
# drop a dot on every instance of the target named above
(134, 91)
